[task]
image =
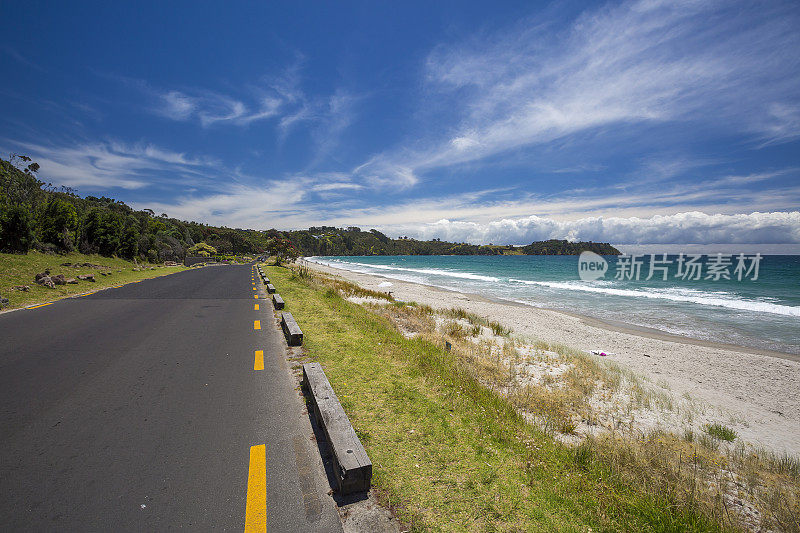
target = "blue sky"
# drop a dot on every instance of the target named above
(644, 122)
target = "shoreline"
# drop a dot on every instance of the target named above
(756, 388)
(612, 325)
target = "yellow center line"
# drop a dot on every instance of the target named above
(259, 363)
(255, 308)
(255, 516)
(254, 287)
(38, 306)
(255, 296)
(256, 324)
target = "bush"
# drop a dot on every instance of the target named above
(202, 249)
(454, 329)
(718, 431)
(499, 329)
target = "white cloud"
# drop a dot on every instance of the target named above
(210, 108)
(464, 143)
(669, 214)
(287, 204)
(242, 206)
(728, 67)
(380, 173)
(106, 165)
(335, 186)
(177, 105)
(276, 97)
(687, 227)
(782, 124)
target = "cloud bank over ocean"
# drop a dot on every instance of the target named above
(690, 227)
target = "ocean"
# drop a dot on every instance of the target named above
(758, 306)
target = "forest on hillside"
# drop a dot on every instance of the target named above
(327, 240)
(36, 215)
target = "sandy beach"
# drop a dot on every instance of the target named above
(755, 392)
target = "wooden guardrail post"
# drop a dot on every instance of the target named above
(352, 466)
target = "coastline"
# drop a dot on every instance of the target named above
(756, 390)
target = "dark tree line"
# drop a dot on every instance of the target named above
(327, 240)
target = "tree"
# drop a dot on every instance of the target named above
(16, 229)
(59, 223)
(129, 245)
(103, 230)
(283, 250)
(202, 249)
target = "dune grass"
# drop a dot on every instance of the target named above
(451, 454)
(17, 269)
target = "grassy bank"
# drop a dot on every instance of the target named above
(449, 453)
(16, 270)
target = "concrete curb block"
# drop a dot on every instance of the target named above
(351, 464)
(277, 301)
(270, 288)
(292, 332)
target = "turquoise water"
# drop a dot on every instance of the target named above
(761, 313)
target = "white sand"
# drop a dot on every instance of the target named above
(758, 391)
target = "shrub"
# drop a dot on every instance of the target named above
(499, 329)
(454, 329)
(718, 431)
(202, 249)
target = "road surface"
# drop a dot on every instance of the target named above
(144, 408)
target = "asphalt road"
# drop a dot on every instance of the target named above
(140, 409)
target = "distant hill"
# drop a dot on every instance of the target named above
(562, 247)
(327, 240)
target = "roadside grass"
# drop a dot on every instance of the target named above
(17, 269)
(452, 454)
(557, 389)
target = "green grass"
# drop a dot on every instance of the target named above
(16, 269)
(450, 454)
(721, 432)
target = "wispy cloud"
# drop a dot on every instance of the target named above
(107, 165)
(20, 58)
(725, 67)
(337, 186)
(241, 205)
(279, 98)
(210, 108)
